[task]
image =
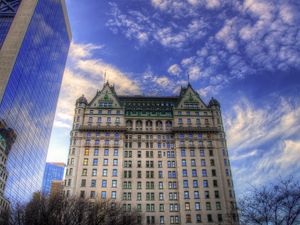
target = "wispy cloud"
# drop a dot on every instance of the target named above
(269, 135)
(243, 38)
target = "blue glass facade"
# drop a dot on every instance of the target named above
(30, 98)
(53, 171)
(7, 13)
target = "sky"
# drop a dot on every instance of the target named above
(245, 53)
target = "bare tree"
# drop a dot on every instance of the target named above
(276, 204)
(60, 210)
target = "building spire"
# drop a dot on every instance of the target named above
(188, 78)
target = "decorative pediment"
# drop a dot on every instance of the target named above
(190, 99)
(106, 98)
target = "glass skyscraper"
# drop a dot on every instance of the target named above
(34, 42)
(53, 172)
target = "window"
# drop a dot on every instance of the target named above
(209, 218)
(196, 195)
(218, 205)
(103, 194)
(105, 162)
(188, 218)
(206, 194)
(161, 207)
(192, 153)
(195, 183)
(194, 172)
(160, 174)
(197, 206)
(114, 183)
(83, 182)
(84, 172)
(116, 152)
(159, 164)
(104, 172)
(115, 173)
(205, 183)
(220, 218)
(106, 152)
(202, 154)
(160, 185)
(115, 162)
(86, 152)
(184, 173)
(95, 162)
(139, 185)
(185, 184)
(113, 194)
(187, 206)
(93, 194)
(203, 162)
(183, 162)
(161, 219)
(183, 153)
(85, 161)
(186, 195)
(104, 183)
(139, 196)
(96, 152)
(217, 195)
(161, 196)
(204, 173)
(208, 206)
(193, 162)
(93, 183)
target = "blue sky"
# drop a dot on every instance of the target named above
(244, 53)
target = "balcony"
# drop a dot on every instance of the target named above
(101, 128)
(195, 129)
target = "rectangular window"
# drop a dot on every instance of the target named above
(115, 162)
(114, 183)
(104, 183)
(113, 194)
(93, 183)
(95, 162)
(103, 194)
(94, 172)
(105, 162)
(104, 172)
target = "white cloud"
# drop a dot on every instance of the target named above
(174, 69)
(187, 61)
(194, 72)
(269, 135)
(260, 35)
(96, 69)
(83, 50)
(290, 153)
(250, 127)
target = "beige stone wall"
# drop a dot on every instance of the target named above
(204, 141)
(13, 41)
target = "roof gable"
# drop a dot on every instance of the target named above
(190, 99)
(106, 98)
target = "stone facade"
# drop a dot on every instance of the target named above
(164, 156)
(7, 137)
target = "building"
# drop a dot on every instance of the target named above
(53, 171)
(164, 156)
(7, 138)
(57, 187)
(35, 38)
